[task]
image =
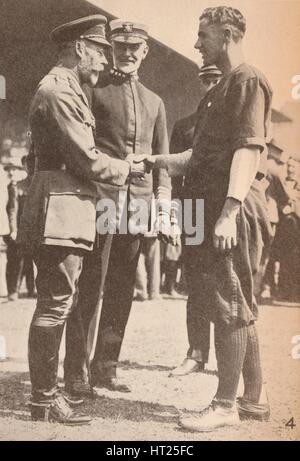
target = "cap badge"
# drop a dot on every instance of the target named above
(128, 27)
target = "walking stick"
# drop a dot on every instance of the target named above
(86, 352)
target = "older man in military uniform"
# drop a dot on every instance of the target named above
(58, 222)
(130, 120)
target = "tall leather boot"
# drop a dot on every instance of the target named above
(48, 404)
(57, 410)
(44, 345)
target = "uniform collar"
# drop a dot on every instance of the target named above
(65, 72)
(122, 76)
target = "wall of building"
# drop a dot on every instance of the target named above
(28, 54)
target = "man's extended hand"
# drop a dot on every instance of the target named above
(138, 165)
(151, 162)
(157, 161)
(225, 231)
(175, 164)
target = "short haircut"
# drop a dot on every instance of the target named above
(225, 15)
(65, 47)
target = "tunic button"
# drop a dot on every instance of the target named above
(77, 190)
(209, 104)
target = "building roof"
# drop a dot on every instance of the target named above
(28, 55)
(279, 117)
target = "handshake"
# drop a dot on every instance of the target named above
(175, 164)
(140, 164)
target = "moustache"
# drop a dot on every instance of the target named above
(125, 60)
(98, 68)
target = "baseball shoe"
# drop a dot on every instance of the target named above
(250, 410)
(211, 418)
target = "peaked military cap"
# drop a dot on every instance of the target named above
(128, 32)
(89, 28)
(209, 71)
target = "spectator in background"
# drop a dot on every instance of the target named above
(148, 271)
(265, 283)
(5, 154)
(287, 241)
(4, 231)
(170, 263)
(147, 283)
(20, 146)
(18, 264)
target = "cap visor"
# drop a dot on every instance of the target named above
(133, 40)
(99, 40)
(209, 74)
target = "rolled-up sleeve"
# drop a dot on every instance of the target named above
(247, 110)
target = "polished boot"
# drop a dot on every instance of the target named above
(57, 410)
(44, 345)
(105, 375)
(77, 388)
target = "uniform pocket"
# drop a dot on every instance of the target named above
(70, 216)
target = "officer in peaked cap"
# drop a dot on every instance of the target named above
(130, 119)
(90, 28)
(91, 31)
(128, 38)
(58, 221)
(128, 32)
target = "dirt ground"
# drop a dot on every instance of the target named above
(155, 342)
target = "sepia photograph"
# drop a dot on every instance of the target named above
(149, 223)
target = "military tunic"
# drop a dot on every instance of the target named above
(58, 221)
(60, 208)
(130, 119)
